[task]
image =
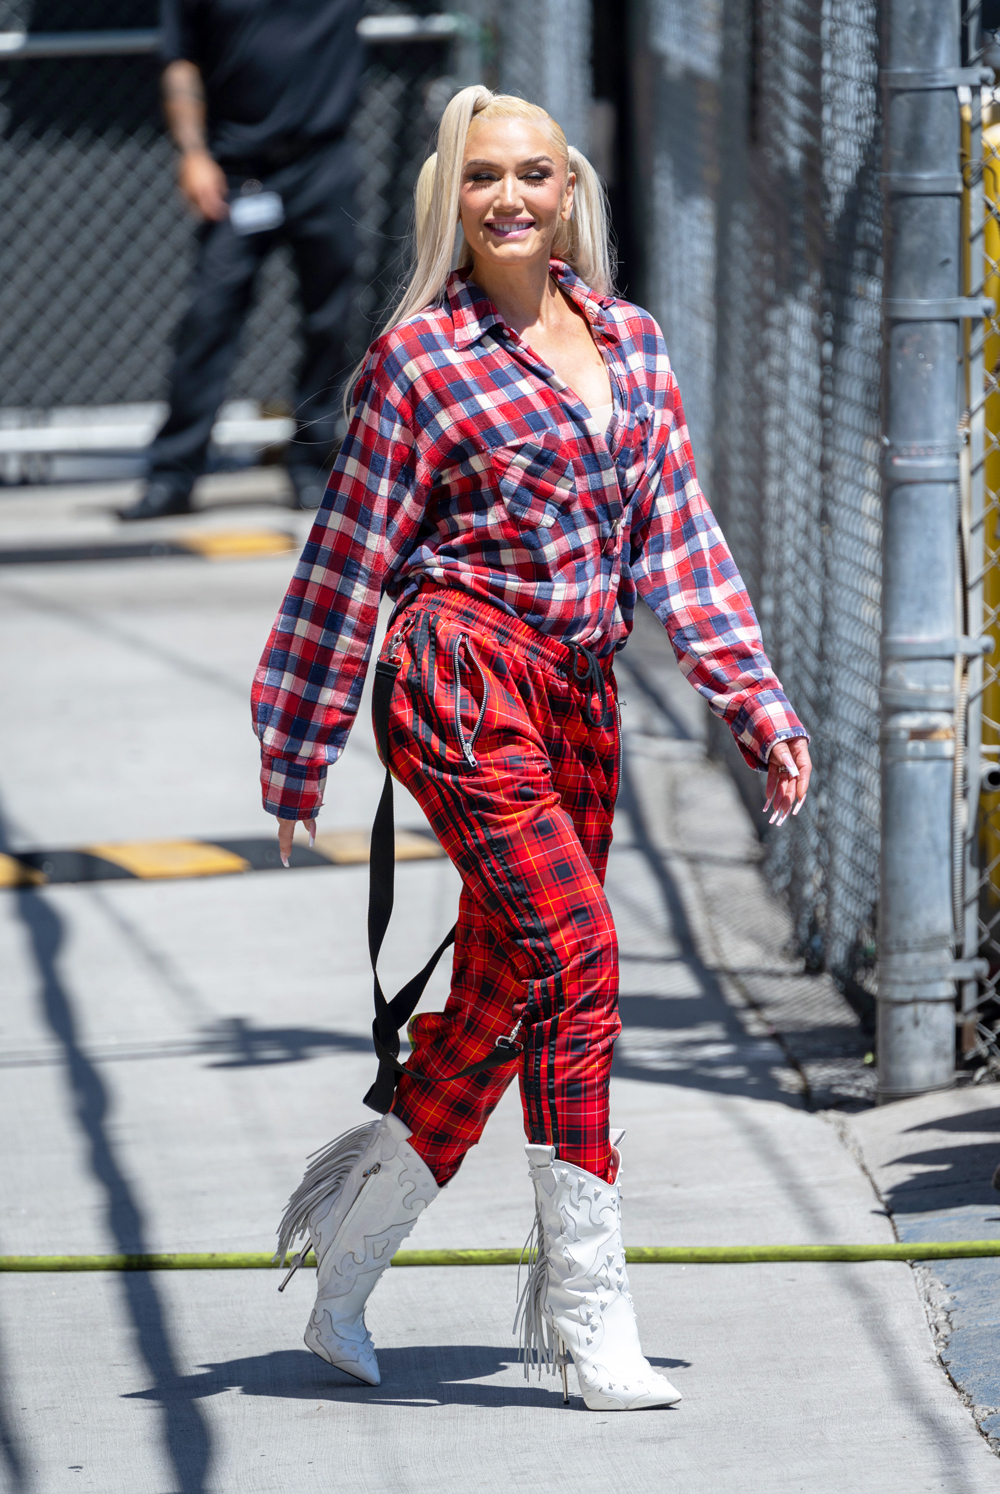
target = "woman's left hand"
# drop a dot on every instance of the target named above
(789, 769)
(286, 831)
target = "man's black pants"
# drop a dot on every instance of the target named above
(317, 191)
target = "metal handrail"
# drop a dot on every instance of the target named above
(21, 46)
(16, 46)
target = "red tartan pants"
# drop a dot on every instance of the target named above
(489, 732)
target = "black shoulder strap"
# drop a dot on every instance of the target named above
(390, 1016)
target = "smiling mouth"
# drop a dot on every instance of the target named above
(510, 230)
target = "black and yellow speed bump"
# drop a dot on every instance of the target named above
(206, 544)
(161, 860)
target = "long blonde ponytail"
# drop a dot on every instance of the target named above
(583, 242)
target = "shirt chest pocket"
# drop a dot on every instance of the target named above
(535, 482)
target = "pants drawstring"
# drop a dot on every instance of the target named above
(592, 676)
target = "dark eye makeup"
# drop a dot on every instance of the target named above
(536, 175)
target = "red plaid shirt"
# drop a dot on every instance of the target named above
(468, 462)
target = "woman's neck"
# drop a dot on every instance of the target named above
(525, 295)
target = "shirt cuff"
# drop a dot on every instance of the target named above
(762, 720)
(292, 790)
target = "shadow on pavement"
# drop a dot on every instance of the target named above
(186, 1435)
(961, 1174)
(238, 1044)
(647, 687)
(696, 1042)
(11, 1455)
(419, 1375)
(971, 1121)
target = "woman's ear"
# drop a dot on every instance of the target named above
(567, 208)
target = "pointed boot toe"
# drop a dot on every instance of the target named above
(352, 1351)
(602, 1393)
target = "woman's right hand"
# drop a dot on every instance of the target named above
(286, 833)
(789, 770)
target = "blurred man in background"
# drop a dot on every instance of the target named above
(258, 96)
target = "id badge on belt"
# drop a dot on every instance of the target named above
(253, 210)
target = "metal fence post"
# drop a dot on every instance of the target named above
(920, 629)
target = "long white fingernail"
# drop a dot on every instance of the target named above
(798, 807)
(312, 840)
(284, 860)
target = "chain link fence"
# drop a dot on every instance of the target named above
(805, 506)
(763, 263)
(96, 248)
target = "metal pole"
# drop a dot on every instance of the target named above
(973, 536)
(921, 632)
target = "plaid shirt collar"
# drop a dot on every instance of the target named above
(473, 314)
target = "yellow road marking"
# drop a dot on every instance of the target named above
(237, 544)
(153, 860)
(344, 847)
(169, 858)
(13, 874)
(351, 847)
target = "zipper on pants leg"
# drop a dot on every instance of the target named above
(467, 744)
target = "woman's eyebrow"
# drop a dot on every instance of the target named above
(495, 166)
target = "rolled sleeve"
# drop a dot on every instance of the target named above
(765, 719)
(292, 790)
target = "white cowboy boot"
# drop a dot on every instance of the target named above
(358, 1201)
(577, 1296)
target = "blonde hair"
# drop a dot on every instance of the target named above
(583, 241)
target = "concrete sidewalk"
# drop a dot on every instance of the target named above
(932, 1160)
(172, 1050)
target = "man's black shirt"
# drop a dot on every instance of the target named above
(277, 73)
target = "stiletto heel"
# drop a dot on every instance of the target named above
(563, 1363)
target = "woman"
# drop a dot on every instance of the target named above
(516, 470)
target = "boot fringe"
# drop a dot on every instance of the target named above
(538, 1346)
(327, 1171)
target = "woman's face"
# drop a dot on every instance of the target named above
(514, 192)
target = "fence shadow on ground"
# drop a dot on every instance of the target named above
(958, 1176)
(697, 1041)
(235, 1043)
(185, 1433)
